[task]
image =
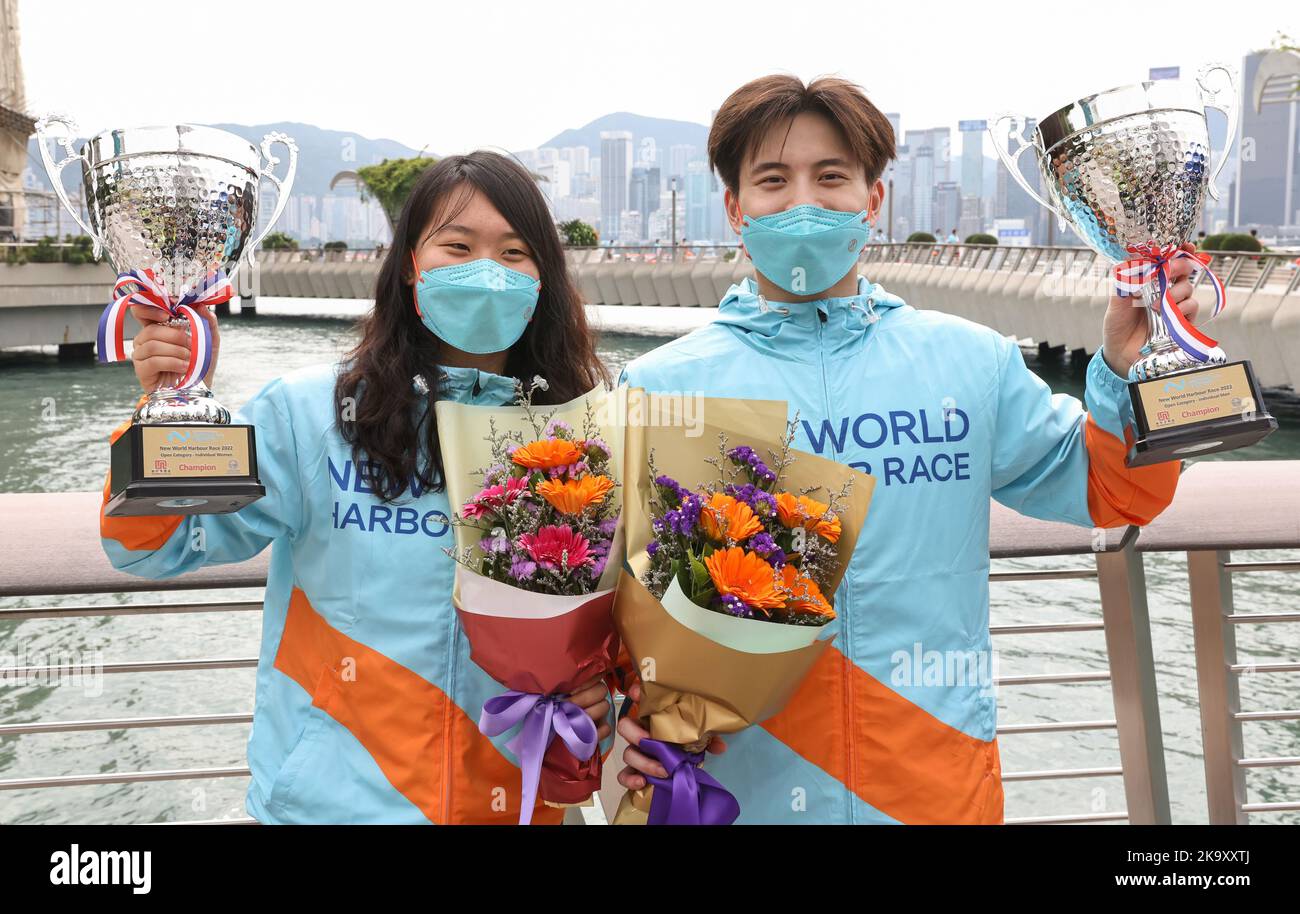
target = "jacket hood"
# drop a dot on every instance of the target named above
(781, 328)
(471, 385)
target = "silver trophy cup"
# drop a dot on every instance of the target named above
(180, 202)
(1128, 169)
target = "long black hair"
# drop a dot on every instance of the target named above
(390, 425)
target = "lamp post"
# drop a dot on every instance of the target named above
(891, 209)
(672, 184)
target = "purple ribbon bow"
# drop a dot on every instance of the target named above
(689, 795)
(541, 725)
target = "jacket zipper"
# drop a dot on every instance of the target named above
(847, 695)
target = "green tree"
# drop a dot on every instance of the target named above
(578, 234)
(922, 236)
(336, 245)
(981, 238)
(391, 182)
(279, 241)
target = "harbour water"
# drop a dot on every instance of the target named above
(54, 420)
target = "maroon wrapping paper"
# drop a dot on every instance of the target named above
(547, 656)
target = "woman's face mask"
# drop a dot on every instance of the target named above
(805, 249)
(479, 306)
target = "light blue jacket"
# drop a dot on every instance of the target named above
(367, 700)
(898, 723)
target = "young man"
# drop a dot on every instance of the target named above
(943, 413)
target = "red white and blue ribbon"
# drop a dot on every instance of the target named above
(1152, 261)
(140, 287)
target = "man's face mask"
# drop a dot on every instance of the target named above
(806, 249)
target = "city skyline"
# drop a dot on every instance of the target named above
(316, 71)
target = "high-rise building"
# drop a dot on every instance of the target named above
(557, 179)
(923, 181)
(679, 157)
(939, 141)
(700, 186)
(972, 157)
(643, 196)
(946, 208)
(1267, 182)
(578, 157)
(902, 205)
(896, 121)
(615, 165)
(1012, 202)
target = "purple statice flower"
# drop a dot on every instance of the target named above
(735, 606)
(496, 542)
(684, 519)
(758, 470)
(572, 471)
(598, 567)
(652, 547)
(557, 428)
(594, 447)
(762, 503)
(764, 545)
(673, 487)
(522, 569)
(608, 526)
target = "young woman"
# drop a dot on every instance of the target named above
(367, 699)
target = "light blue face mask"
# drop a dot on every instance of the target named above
(806, 249)
(477, 307)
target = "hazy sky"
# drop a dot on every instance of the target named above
(512, 74)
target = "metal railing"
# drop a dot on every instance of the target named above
(1275, 270)
(1220, 506)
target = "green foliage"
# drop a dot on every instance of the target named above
(1212, 242)
(279, 241)
(1240, 242)
(78, 249)
(335, 246)
(391, 182)
(578, 234)
(981, 238)
(922, 236)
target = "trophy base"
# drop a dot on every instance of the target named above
(1197, 412)
(183, 469)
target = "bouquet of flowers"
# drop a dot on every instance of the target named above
(538, 549)
(732, 590)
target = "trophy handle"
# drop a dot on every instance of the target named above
(282, 186)
(1210, 99)
(1011, 160)
(55, 169)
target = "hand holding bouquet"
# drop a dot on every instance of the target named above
(734, 584)
(538, 547)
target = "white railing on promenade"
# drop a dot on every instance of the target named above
(1220, 507)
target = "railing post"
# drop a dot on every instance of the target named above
(1121, 578)
(1220, 700)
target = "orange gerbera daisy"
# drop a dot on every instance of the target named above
(807, 596)
(802, 511)
(547, 454)
(746, 576)
(573, 496)
(723, 518)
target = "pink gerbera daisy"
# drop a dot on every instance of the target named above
(557, 548)
(493, 498)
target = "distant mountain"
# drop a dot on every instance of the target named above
(321, 154)
(666, 133)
